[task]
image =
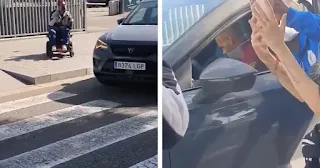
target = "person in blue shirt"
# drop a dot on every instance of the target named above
(304, 44)
(308, 27)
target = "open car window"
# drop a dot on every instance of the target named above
(233, 42)
(246, 54)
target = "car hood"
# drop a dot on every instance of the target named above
(133, 34)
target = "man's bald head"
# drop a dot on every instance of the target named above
(229, 39)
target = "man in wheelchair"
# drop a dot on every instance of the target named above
(60, 26)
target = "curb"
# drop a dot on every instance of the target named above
(33, 90)
(48, 78)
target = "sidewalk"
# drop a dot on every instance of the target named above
(26, 60)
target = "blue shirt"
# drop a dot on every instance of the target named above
(308, 26)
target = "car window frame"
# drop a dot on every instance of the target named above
(203, 45)
(192, 39)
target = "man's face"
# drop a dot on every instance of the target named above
(62, 6)
(226, 43)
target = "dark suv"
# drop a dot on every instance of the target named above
(129, 53)
(239, 117)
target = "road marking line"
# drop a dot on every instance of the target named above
(32, 101)
(73, 147)
(56, 117)
(149, 163)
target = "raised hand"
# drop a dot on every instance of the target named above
(260, 47)
(272, 34)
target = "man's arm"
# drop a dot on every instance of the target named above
(279, 71)
(54, 18)
(285, 81)
(305, 23)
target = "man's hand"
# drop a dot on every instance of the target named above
(261, 47)
(272, 34)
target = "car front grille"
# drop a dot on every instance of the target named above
(136, 51)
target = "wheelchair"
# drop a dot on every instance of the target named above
(59, 52)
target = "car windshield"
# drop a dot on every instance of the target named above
(180, 15)
(145, 13)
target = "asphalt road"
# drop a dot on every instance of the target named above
(83, 125)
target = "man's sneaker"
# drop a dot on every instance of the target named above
(54, 48)
(64, 48)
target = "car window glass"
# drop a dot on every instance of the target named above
(144, 14)
(154, 15)
(138, 17)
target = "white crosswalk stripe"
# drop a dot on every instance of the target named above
(32, 101)
(70, 148)
(53, 118)
(149, 163)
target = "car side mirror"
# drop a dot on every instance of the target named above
(225, 75)
(120, 21)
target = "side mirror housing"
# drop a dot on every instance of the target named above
(120, 21)
(223, 76)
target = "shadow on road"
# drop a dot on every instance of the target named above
(128, 95)
(33, 57)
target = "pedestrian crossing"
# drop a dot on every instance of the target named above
(67, 134)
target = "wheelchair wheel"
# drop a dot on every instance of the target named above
(71, 53)
(48, 50)
(70, 48)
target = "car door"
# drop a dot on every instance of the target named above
(244, 129)
(258, 127)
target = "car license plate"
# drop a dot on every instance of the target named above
(130, 65)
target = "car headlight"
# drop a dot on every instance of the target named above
(101, 45)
